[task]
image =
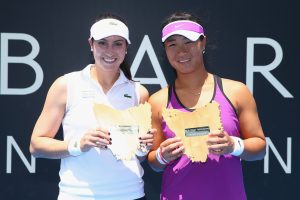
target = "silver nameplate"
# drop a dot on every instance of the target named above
(197, 131)
(129, 130)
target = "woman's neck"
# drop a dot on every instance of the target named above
(192, 81)
(106, 79)
(195, 90)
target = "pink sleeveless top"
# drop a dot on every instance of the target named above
(220, 177)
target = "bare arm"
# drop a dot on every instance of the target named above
(144, 94)
(147, 138)
(156, 106)
(171, 148)
(42, 142)
(250, 126)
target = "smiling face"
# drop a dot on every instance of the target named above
(183, 54)
(109, 52)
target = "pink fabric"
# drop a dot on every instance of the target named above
(182, 25)
(220, 177)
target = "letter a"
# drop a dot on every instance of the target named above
(147, 47)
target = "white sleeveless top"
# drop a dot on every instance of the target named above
(97, 174)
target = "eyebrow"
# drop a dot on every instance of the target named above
(170, 39)
(120, 40)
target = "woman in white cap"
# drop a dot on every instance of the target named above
(220, 177)
(89, 171)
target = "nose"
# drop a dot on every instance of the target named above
(109, 50)
(182, 48)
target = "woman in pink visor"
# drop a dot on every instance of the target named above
(89, 170)
(242, 137)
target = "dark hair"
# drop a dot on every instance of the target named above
(125, 67)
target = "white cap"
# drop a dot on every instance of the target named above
(108, 27)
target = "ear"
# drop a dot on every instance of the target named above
(126, 47)
(90, 42)
(204, 42)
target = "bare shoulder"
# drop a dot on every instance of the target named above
(59, 85)
(159, 98)
(230, 85)
(143, 92)
(58, 91)
(238, 93)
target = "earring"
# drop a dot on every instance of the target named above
(91, 49)
(203, 51)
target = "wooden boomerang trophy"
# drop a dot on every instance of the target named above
(125, 127)
(193, 128)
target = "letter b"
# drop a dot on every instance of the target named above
(28, 59)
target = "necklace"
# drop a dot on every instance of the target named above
(191, 93)
(197, 91)
(196, 94)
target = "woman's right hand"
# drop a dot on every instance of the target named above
(98, 137)
(172, 148)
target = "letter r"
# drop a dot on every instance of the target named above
(265, 70)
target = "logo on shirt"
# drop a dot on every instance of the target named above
(178, 26)
(127, 96)
(87, 93)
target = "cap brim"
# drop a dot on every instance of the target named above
(104, 35)
(191, 35)
(109, 27)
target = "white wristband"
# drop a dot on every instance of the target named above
(160, 158)
(74, 147)
(238, 146)
(141, 153)
(142, 150)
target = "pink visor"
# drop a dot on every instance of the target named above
(186, 28)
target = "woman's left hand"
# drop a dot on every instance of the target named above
(146, 140)
(220, 143)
